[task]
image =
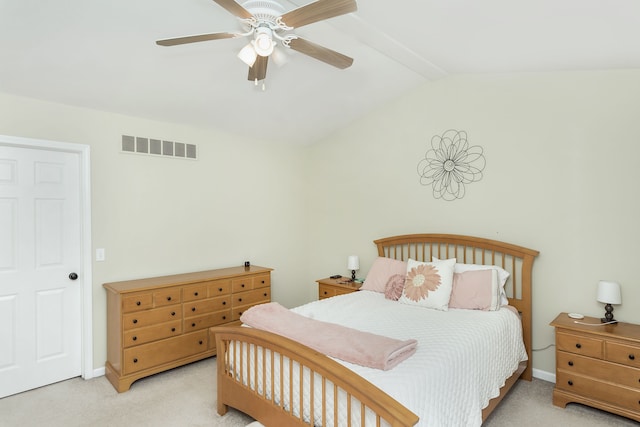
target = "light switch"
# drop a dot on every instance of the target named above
(100, 256)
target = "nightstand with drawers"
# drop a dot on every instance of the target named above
(598, 365)
(328, 287)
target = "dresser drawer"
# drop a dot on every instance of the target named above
(195, 292)
(168, 296)
(153, 354)
(219, 287)
(207, 320)
(598, 369)
(252, 297)
(197, 308)
(620, 396)
(137, 302)
(325, 291)
(152, 333)
(242, 284)
(623, 353)
(579, 344)
(151, 317)
(262, 281)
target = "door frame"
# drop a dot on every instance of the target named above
(84, 152)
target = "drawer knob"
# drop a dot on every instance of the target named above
(138, 303)
(224, 303)
(632, 357)
(265, 294)
(240, 313)
(242, 285)
(570, 382)
(168, 298)
(173, 329)
(193, 309)
(200, 342)
(135, 321)
(224, 317)
(325, 292)
(195, 294)
(173, 313)
(239, 299)
(570, 362)
(578, 345)
(135, 360)
(193, 325)
(263, 281)
(220, 289)
(135, 338)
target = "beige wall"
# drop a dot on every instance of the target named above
(562, 155)
(239, 201)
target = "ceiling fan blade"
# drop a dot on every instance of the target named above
(193, 39)
(321, 53)
(318, 11)
(259, 69)
(235, 9)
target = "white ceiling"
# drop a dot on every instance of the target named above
(102, 54)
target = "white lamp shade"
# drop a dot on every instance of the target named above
(609, 292)
(353, 263)
(248, 55)
(263, 43)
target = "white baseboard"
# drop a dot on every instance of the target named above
(544, 375)
(100, 372)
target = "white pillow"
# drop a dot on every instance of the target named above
(428, 284)
(503, 275)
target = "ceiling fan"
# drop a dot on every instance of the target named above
(267, 24)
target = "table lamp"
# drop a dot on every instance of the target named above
(609, 293)
(353, 264)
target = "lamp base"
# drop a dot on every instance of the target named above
(608, 315)
(353, 275)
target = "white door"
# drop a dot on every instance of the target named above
(40, 248)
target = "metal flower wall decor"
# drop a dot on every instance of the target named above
(451, 164)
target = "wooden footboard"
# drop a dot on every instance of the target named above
(257, 369)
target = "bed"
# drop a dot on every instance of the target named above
(278, 381)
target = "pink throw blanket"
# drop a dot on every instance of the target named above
(341, 342)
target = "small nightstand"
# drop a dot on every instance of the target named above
(328, 288)
(598, 365)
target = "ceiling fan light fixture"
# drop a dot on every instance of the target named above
(263, 41)
(248, 55)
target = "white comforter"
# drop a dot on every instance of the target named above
(463, 356)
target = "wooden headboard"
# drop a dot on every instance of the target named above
(517, 260)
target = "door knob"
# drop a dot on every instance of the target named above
(73, 276)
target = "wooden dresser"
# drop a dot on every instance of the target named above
(598, 366)
(160, 323)
(328, 287)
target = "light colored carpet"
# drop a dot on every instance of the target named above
(185, 397)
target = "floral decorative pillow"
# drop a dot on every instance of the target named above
(380, 273)
(428, 284)
(394, 287)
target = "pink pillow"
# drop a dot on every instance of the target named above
(476, 290)
(381, 270)
(394, 287)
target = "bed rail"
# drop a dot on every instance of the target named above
(257, 370)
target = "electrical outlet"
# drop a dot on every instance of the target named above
(100, 255)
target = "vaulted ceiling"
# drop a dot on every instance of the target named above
(102, 55)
